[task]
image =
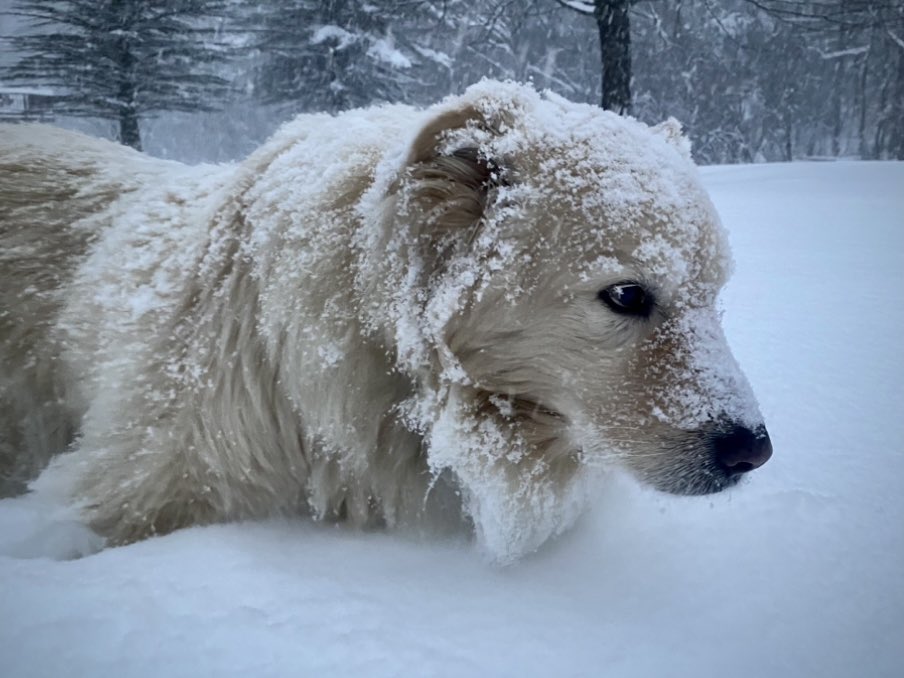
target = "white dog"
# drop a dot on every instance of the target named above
(389, 316)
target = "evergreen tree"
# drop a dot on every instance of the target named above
(122, 60)
(750, 80)
(329, 55)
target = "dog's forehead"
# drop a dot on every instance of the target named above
(621, 196)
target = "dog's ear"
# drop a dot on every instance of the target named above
(450, 191)
(671, 130)
(450, 177)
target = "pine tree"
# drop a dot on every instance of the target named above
(122, 60)
(329, 55)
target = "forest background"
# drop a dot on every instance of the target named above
(750, 80)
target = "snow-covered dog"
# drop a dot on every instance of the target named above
(391, 316)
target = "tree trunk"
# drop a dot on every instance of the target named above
(864, 105)
(614, 26)
(129, 133)
(124, 57)
(789, 137)
(896, 134)
(838, 82)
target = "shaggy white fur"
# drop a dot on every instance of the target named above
(392, 316)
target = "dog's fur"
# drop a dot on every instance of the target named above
(387, 317)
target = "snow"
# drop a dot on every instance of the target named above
(343, 37)
(383, 50)
(795, 573)
(579, 6)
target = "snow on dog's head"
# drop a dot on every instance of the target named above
(551, 273)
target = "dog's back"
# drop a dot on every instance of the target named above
(55, 188)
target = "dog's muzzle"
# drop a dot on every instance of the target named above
(712, 461)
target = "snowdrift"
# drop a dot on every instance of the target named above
(795, 573)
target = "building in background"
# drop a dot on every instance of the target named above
(32, 104)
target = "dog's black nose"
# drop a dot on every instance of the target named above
(740, 450)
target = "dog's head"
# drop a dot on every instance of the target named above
(564, 265)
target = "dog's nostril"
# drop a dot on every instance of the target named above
(741, 450)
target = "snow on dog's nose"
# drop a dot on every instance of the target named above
(693, 378)
(707, 427)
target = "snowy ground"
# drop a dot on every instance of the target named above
(800, 572)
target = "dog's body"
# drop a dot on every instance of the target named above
(389, 316)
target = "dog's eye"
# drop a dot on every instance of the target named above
(628, 298)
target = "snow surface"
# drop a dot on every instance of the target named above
(796, 573)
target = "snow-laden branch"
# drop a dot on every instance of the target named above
(853, 51)
(896, 39)
(578, 5)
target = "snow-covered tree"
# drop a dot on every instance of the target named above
(122, 60)
(821, 14)
(336, 54)
(613, 24)
(749, 79)
(861, 45)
